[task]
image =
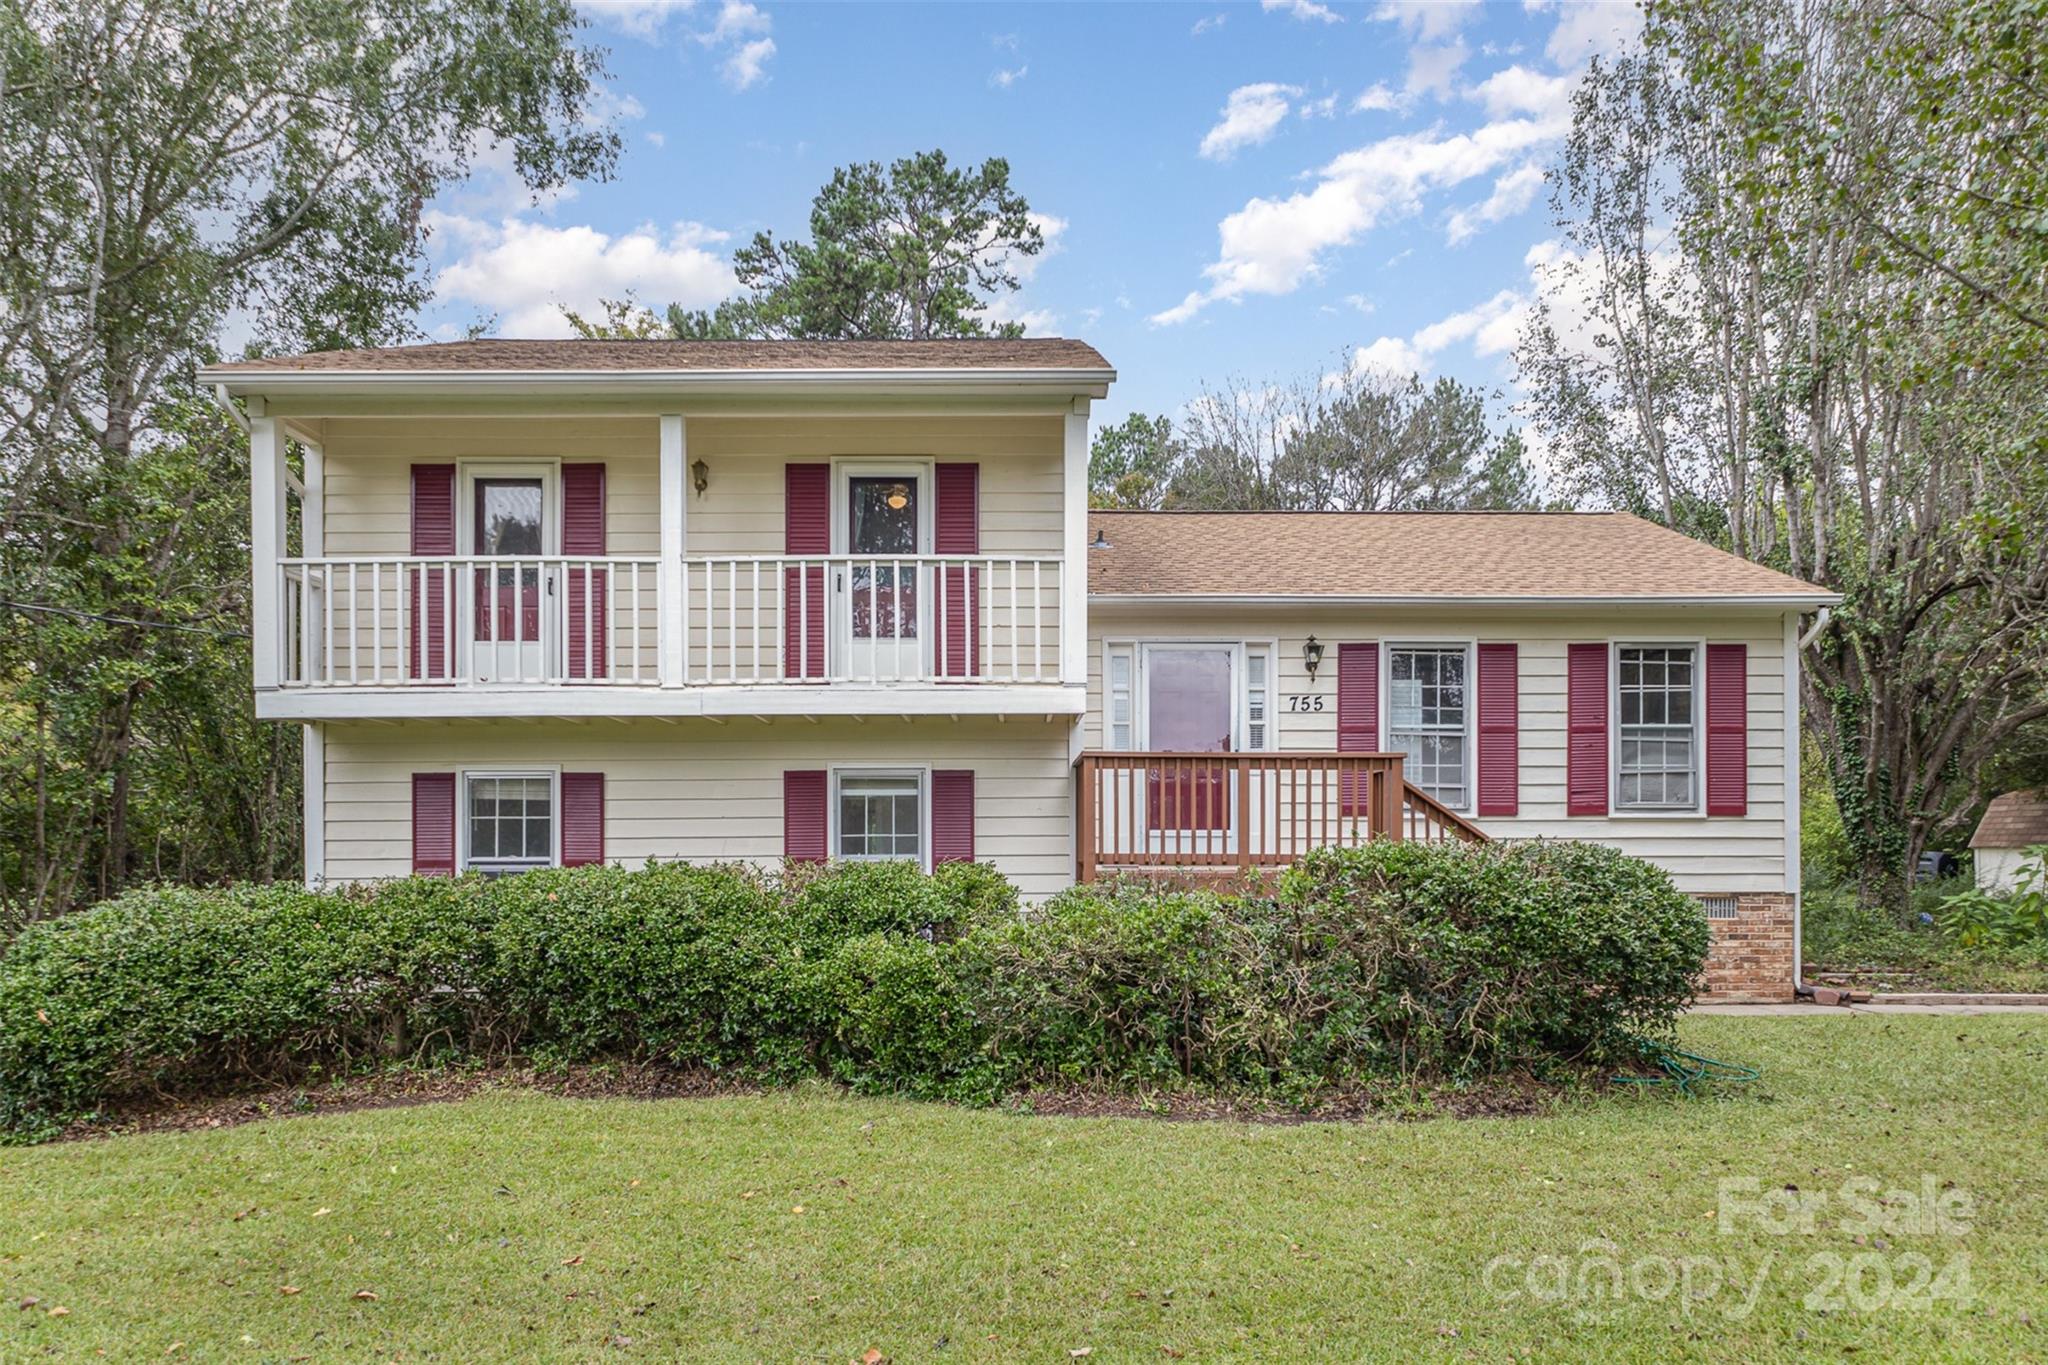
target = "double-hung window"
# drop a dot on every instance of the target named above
(1657, 753)
(1428, 710)
(508, 821)
(881, 816)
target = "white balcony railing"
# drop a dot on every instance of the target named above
(475, 621)
(862, 619)
(405, 621)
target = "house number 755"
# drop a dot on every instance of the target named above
(1304, 701)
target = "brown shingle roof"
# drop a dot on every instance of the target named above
(1416, 554)
(2014, 820)
(455, 357)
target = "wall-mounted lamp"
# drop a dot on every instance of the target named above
(700, 477)
(1312, 655)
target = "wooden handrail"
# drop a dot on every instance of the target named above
(1436, 812)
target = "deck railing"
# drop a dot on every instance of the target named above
(477, 621)
(758, 619)
(467, 620)
(1220, 812)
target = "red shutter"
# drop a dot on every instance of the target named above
(1499, 730)
(433, 824)
(1358, 712)
(1585, 766)
(956, 530)
(803, 816)
(582, 818)
(583, 536)
(433, 533)
(952, 798)
(806, 530)
(1728, 729)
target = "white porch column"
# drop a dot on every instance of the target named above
(266, 539)
(313, 504)
(674, 515)
(1074, 569)
(313, 749)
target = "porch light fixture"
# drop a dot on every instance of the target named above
(700, 477)
(899, 497)
(1312, 655)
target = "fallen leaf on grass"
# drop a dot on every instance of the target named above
(369, 1294)
(322, 1213)
(29, 1303)
(574, 1260)
(871, 1356)
(798, 1209)
(287, 1289)
(60, 1311)
(1170, 1353)
(1080, 1351)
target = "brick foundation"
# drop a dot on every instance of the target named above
(1751, 956)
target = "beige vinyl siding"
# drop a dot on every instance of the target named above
(1703, 854)
(740, 513)
(704, 792)
(368, 471)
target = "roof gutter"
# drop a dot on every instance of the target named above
(287, 381)
(1777, 601)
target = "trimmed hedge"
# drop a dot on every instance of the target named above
(1397, 959)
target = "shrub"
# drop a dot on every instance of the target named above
(1393, 959)
(2018, 918)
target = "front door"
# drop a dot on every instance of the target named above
(880, 615)
(511, 608)
(1190, 707)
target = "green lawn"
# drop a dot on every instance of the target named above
(817, 1227)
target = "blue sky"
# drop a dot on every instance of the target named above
(1228, 189)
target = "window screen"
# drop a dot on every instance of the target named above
(1426, 716)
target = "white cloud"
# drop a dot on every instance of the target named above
(748, 63)
(1250, 117)
(1304, 10)
(1490, 327)
(1433, 68)
(1429, 20)
(1202, 26)
(1003, 80)
(736, 19)
(657, 139)
(1585, 27)
(1512, 193)
(1359, 302)
(527, 272)
(641, 18)
(1377, 97)
(1326, 107)
(1518, 90)
(1272, 246)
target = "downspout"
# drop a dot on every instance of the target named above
(1820, 623)
(227, 405)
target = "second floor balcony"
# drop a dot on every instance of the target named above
(397, 625)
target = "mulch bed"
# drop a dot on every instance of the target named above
(1504, 1097)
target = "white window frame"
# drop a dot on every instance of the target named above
(462, 785)
(1385, 720)
(1133, 648)
(1697, 810)
(923, 775)
(467, 472)
(1125, 652)
(847, 468)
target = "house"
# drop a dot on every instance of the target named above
(539, 602)
(2013, 830)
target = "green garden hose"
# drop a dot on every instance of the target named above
(1687, 1070)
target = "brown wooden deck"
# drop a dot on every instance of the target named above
(1244, 812)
